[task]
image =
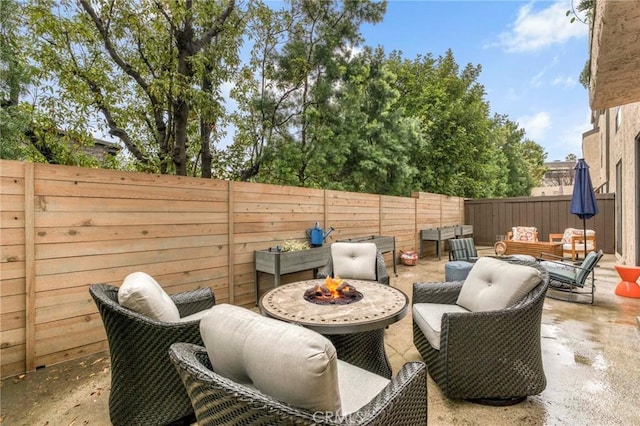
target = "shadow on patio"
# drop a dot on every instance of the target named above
(591, 358)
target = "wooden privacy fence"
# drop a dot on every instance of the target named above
(64, 228)
(492, 217)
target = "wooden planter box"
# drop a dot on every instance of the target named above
(464, 230)
(278, 263)
(437, 235)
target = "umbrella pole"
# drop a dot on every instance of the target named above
(584, 236)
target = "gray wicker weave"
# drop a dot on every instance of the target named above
(492, 356)
(382, 276)
(220, 401)
(145, 388)
(364, 350)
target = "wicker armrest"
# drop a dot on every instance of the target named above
(381, 269)
(190, 302)
(402, 402)
(490, 335)
(326, 270)
(487, 338)
(446, 293)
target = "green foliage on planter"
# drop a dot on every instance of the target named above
(294, 245)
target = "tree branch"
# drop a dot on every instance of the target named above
(111, 49)
(215, 29)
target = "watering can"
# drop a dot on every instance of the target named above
(317, 235)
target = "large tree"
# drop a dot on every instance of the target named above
(149, 71)
(520, 160)
(26, 133)
(457, 156)
(287, 98)
(372, 139)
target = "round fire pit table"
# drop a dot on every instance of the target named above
(355, 329)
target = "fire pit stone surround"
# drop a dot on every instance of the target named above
(380, 305)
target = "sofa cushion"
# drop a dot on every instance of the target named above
(354, 260)
(579, 247)
(142, 294)
(428, 317)
(286, 361)
(494, 284)
(523, 233)
(569, 233)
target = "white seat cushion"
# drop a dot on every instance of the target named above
(569, 233)
(357, 386)
(579, 247)
(142, 294)
(428, 316)
(354, 260)
(494, 284)
(288, 362)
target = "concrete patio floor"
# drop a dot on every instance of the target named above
(591, 358)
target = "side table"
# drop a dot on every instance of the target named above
(628, 286)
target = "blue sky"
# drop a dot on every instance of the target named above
(531, 57)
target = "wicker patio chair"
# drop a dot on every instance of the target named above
(255, 370)
(145, 388)
(492, 357)
(362, 253)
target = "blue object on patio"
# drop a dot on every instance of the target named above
(583, 201)
(457, 270)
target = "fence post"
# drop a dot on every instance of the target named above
(29, 266)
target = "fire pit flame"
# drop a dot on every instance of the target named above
(334, 291)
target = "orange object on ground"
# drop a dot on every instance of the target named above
(629, 286)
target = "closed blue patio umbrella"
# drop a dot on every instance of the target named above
(583, 201)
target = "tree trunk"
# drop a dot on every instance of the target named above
(206, 124)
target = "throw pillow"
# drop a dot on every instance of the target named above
(142, 294)
(524, 233)
(494, 284)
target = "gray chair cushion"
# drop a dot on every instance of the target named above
(286, 361)
(494, 284)
(357, 386)
(586, 267)
(428, 316)
(354, 260)
(142, 294)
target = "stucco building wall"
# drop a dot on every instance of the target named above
(613, 142)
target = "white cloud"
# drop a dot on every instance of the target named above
(535, 125)
(536, 30)
(567, 82)
(536, 80)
